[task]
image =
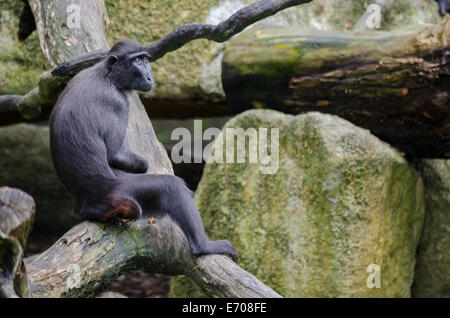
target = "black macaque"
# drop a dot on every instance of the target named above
(87, 134)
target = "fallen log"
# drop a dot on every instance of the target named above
(394, 83)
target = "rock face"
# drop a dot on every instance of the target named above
(25, 163)
(340, 201)
(432, 276)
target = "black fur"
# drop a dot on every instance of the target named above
(26, 22)
(88, 127)
(444, 6)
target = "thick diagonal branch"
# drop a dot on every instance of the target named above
(88, 257)
(189, 32)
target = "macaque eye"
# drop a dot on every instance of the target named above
(138, 60)
(145, 59)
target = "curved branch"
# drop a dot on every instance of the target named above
(222, 31)
(88, 257)
(189, 32)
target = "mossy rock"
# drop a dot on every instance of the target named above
(432, 275)
(25, 163)
(340, 201)
(21, 63)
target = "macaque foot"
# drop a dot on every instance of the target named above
(216, 247)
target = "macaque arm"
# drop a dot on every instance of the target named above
(128, 161)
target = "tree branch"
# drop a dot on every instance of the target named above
(187, 33)
(31, 107)
(88, 257)
(221, 32)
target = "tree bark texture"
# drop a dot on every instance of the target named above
(88, 257)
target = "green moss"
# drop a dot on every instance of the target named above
(274, 61)
(21, 64)
(336, 204)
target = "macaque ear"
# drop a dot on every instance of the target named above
(111, 60)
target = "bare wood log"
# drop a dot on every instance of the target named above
(221, 32)
(395, 83)
(16, 219)
(88, 257)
